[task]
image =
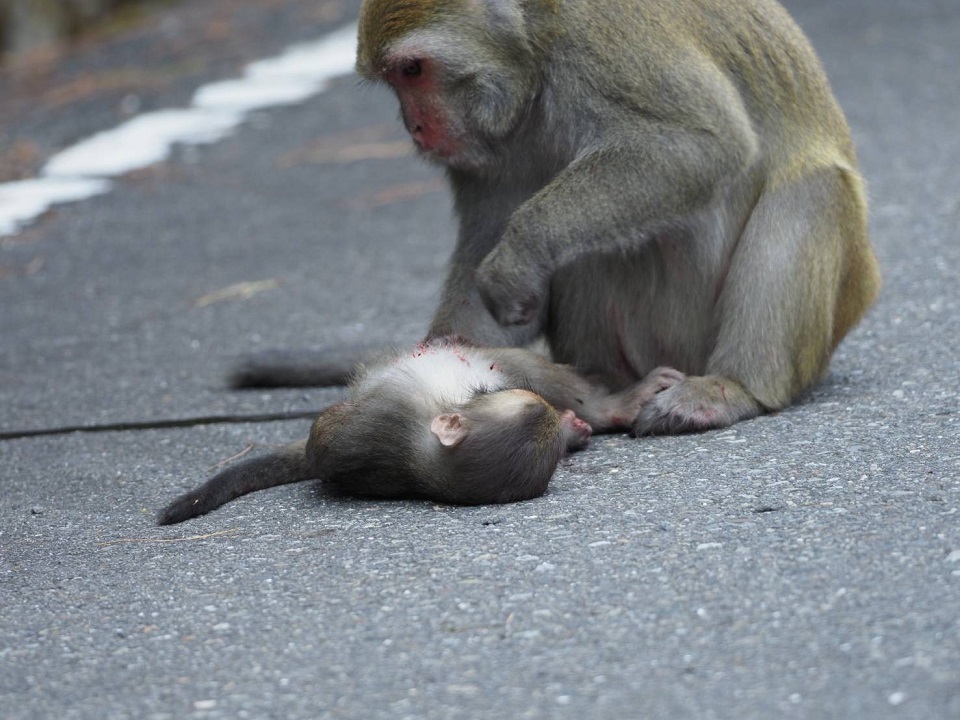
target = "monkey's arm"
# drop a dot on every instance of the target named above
(482, 208)
(462, 313)
(612, 198)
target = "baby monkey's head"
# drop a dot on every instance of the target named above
(496, 447)
(502, 446)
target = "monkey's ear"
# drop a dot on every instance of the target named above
(449, 429)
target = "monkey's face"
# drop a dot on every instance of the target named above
(435, 126)
(461, 84)
(501, 447)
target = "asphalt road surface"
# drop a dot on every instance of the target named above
(801, 565)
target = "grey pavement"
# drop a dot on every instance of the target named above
(801, 565)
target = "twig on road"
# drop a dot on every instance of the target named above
(120, 541)
(227, 461)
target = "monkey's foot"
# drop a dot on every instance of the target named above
(695, 404)
(656, 381)
(623, 408)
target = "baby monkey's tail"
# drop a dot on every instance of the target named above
(288, 465)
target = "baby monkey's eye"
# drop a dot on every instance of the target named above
(412, 69)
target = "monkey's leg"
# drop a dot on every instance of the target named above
(287, 465)
(461, 311)
(801, 275)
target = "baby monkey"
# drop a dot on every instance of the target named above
(447, 422)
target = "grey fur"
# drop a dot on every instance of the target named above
(677, 187)
(519, 414)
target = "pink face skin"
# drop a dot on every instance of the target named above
(421, 106)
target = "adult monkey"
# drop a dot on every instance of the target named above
(650, 184)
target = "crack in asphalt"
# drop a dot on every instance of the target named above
(227, 419)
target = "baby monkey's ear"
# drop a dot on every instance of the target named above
(449, 428)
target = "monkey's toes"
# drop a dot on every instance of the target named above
(662, 378)
(691, 405)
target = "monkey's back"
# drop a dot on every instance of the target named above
(751, 50)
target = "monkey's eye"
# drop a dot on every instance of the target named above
(412, 69)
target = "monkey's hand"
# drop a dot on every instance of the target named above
(513, 283)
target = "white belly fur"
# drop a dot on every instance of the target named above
(450, 375)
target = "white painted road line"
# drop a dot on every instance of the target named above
(84, 169)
